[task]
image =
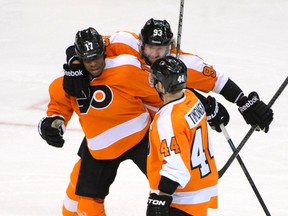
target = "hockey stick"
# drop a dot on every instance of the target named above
(179, 28)
(249, 178)
(250, 132)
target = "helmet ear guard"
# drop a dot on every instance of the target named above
(171, 72)
(89, 44)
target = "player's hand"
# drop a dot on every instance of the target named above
(51, 129)
(216, 114)
(255, 111)
(76, 80)
(158, 205)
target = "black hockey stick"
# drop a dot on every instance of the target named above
(179, 28)
(250, 132)
(249, 178)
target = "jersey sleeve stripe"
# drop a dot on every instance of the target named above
(195, 197)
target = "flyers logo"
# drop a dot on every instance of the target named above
(106, 41)
(209, 71)
(100, 97)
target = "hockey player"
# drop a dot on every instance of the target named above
(156, 40)
(181, 167)
(112, 116)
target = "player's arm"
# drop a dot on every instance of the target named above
(174, 172)
(159, 204)
(123, 42)
(76, 78)
(253, 110)
(52, 127)
(215, 111)
(231, 91)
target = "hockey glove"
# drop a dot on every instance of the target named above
(71, 55)
(158, 205)
(51, 129)
(216, 114)
(76, 80)
(255, 111)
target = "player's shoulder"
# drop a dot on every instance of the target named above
(124, 39)
(123, 36)
(190, 98)
(188, 58)
(122, 60)
(57, 82)
(58, 76)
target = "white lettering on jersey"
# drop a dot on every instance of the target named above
(196, 114)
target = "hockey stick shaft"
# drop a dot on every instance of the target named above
(249, 178)
(179, 28)
(250, 132)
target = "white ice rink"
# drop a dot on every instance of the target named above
(248, 39)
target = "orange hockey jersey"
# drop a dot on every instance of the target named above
(180, 150)
(113, 117)
(201, 76)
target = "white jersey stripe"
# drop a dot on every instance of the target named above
(70, 204)
(111, 136)
(124, 38)
(195, 197)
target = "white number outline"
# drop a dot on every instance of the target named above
(198, 154)
(89, 45)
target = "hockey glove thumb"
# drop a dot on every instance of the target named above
(158, 205)
(51, 129)
(216, 114)
(71, 55)
(255, 111)
(76, 80)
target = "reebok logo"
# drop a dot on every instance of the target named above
(74, 73)
(248, 104)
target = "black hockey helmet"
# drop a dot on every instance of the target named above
(156, 32)
(89, 44)
(171, 72)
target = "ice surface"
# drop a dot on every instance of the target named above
(248, 39)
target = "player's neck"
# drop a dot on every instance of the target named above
(170, 97)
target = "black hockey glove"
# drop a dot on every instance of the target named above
(51, 129)
(158, 205)
(255, 111)
(71, 55)
(76, 80)
(216, 114)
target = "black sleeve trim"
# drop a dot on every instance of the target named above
(200, 96)
(166, 185)
(231, 91)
